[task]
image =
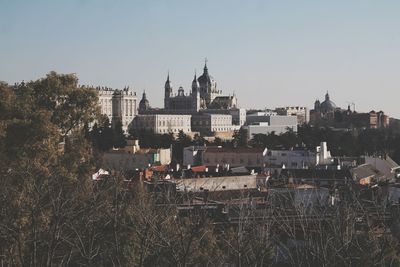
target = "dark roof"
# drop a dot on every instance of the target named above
(365, 171)
(316, 173)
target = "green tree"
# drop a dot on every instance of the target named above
(240, 138)
(119, 140)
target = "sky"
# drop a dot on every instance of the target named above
(270, 53)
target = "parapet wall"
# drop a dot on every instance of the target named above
(217, 183)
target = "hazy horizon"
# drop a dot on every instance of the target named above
(270, 53)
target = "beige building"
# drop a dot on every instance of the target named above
(133, 157)
(162, 123)
(204, 94)
(211, 123)
(118, 105)
(234, 157)
(302, 113)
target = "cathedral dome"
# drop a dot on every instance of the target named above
(206, 79)
(327, 105)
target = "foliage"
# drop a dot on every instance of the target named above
(384, 141)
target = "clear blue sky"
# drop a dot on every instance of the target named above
(271, 53)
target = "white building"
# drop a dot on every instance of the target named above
(266, 124)
(289, 159)
(162, 123)
(260, 116)
(118, 105)
(302, 113)
(297, 159)
(209, 123)
(238, 114)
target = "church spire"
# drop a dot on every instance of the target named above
(205, 66)
(327, 96)
(167, 87)
(195, 83)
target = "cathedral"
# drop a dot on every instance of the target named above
(204, 95)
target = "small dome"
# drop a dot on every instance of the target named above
(181, 92)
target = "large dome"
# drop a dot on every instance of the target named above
(206, 80)
(327, 105)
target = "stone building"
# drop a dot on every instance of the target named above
(204, 94)
(302, 113)
(268, 122)
(118, 105)
(209, 123)
(328, 114)
(162, 123)
(234, 157)
(325, 112)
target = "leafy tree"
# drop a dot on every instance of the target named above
(240, 138)
(118, 135)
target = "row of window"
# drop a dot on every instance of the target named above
(128, 107)
(232, 161)
(172, 123)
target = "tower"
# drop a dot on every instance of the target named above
(167, 92)
(208, 87)
(327, 98)
(117, 107)
(144, 103)
(317, 104)
(195, 85)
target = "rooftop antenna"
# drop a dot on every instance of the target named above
(351, 103)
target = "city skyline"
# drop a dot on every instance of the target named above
(269, 53)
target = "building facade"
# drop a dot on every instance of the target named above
(265, 123)
(209, 123)
(118, 105)
(204, 94)
(302, 113)
(162, 123)
(233, 157)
